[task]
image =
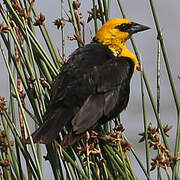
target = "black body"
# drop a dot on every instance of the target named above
(92, 88)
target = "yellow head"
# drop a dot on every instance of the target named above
(116, 32)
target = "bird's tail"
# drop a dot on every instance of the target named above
(54, 120)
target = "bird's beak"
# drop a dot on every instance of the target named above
(134, 28)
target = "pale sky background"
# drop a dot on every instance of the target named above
(137, 11)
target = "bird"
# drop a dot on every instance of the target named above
(93, 86)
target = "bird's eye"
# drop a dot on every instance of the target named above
(123, 27)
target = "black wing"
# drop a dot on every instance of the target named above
(75, 75)
(111, 81)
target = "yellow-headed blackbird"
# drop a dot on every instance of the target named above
(93, 86)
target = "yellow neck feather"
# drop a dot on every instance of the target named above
(120, 49)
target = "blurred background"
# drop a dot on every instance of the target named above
(140, 12)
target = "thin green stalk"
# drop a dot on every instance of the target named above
(68, 174)
(18, 160)
(109, 165)
(74, 21)
(109, 174)
(22, 54)
(177, 144)
(29, 19)
(29, 59)
(89, 168)
(33, 101)
(50, 46)
(12, 157)
(43, 54)
(140, 164)
(109, 7)
(22, 176)
(15, 62)
(73, 16)
(122, 163)
(81, 159)
(36, 44)
(23, 114)
(105, 169)
(11, 111)
(26, 5)
(101, 11)
(145, 128)
(123, 160)
(147, 86)
(39, 155)
(106, 10)
(71, 171)
(33, 72)
(112, 157)
(22, 147)
(164, 54)
(74, 164)
(155, 111)
(127, 164)
(95, 16)
(72, 153)
(151, 97)
(3, 171)
(168, 176)
(54, 161)
(121, 9)
(31, 97)
(42, 65)
(62, 32)
(95, 170)
(130, 167)
(159, 176)
(158, 78)
(45, 59)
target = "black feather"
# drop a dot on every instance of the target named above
(91, 89)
